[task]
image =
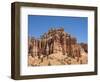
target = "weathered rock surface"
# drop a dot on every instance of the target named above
(56, 47)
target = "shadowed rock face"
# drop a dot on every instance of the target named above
(55, 47)
(84, 46)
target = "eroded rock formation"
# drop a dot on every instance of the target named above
(56, 47)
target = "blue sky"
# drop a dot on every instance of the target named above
(76, 26)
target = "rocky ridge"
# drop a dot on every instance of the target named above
(56, 47)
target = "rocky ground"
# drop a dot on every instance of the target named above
(56, 59)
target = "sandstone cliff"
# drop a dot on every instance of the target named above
(56, 47)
